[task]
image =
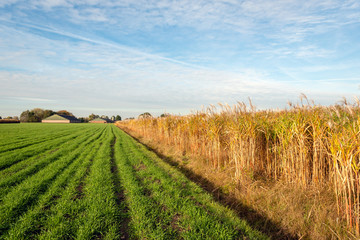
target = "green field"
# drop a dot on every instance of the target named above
(92, 181)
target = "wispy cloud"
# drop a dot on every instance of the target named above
(302, 52)
(238, 16)
(138, 55)
(7, 2)
(39, 100)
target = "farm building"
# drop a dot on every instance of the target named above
(59, 118)
(101, 120)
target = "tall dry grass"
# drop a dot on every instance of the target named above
(306, 145)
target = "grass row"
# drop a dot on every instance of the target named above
(7, 159)
(17, 173)
(164, 204)
(14, 136)
(25, 194)
(104, 185)
(33, 139)
(43, 217)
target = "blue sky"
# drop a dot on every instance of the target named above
(127, 57)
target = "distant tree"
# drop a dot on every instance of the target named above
(0, 117)
(15, 117)
(145, 115)
(65, 112)
(165, 115)
(112, 118)
(35, 115)
(105, 117)
(41, 113)
(38, 112)
(117, 118)
(93, 116)
(48, 113)
(8, 117)
(29, 116)
(84, 119)
(24, 116)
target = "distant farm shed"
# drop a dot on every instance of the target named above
(101, 120)
(60, 118)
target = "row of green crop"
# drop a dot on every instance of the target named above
(164, 204)
(104, 185)
(11, 157)
(17, 134)
(78, 198)
(30, 166)
(52, 217)
(11, 161)
(26, 194)
(33, 139)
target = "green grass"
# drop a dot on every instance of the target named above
(92, 181)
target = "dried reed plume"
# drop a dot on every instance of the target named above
(306, 145)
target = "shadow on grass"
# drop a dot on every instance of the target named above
(254, 218)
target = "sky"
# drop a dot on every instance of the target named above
(112, 57)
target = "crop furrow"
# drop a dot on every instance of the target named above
(148, 218)
(55, 147)
(123, 216)
(100, 220)
(31, 141)
(62, 220)
(22, 197)
(28, 133)
(25, 194)
(9, 181)
(13, 157)
(195, 220)
(35, 220)
(98, 183)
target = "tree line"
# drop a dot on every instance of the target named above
(113, 118)
(38, 114)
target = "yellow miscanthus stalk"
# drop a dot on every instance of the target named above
(304, 145)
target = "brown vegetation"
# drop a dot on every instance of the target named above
(9, 121)
(301, 164)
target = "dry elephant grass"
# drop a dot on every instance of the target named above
(306, 146)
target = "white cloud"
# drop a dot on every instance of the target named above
(284, 21)
(299, 52)
(48, 5)
(115, 73)
(4, 3)
(38, 55)
(89, 14)
(31, 99)
(234, 15)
